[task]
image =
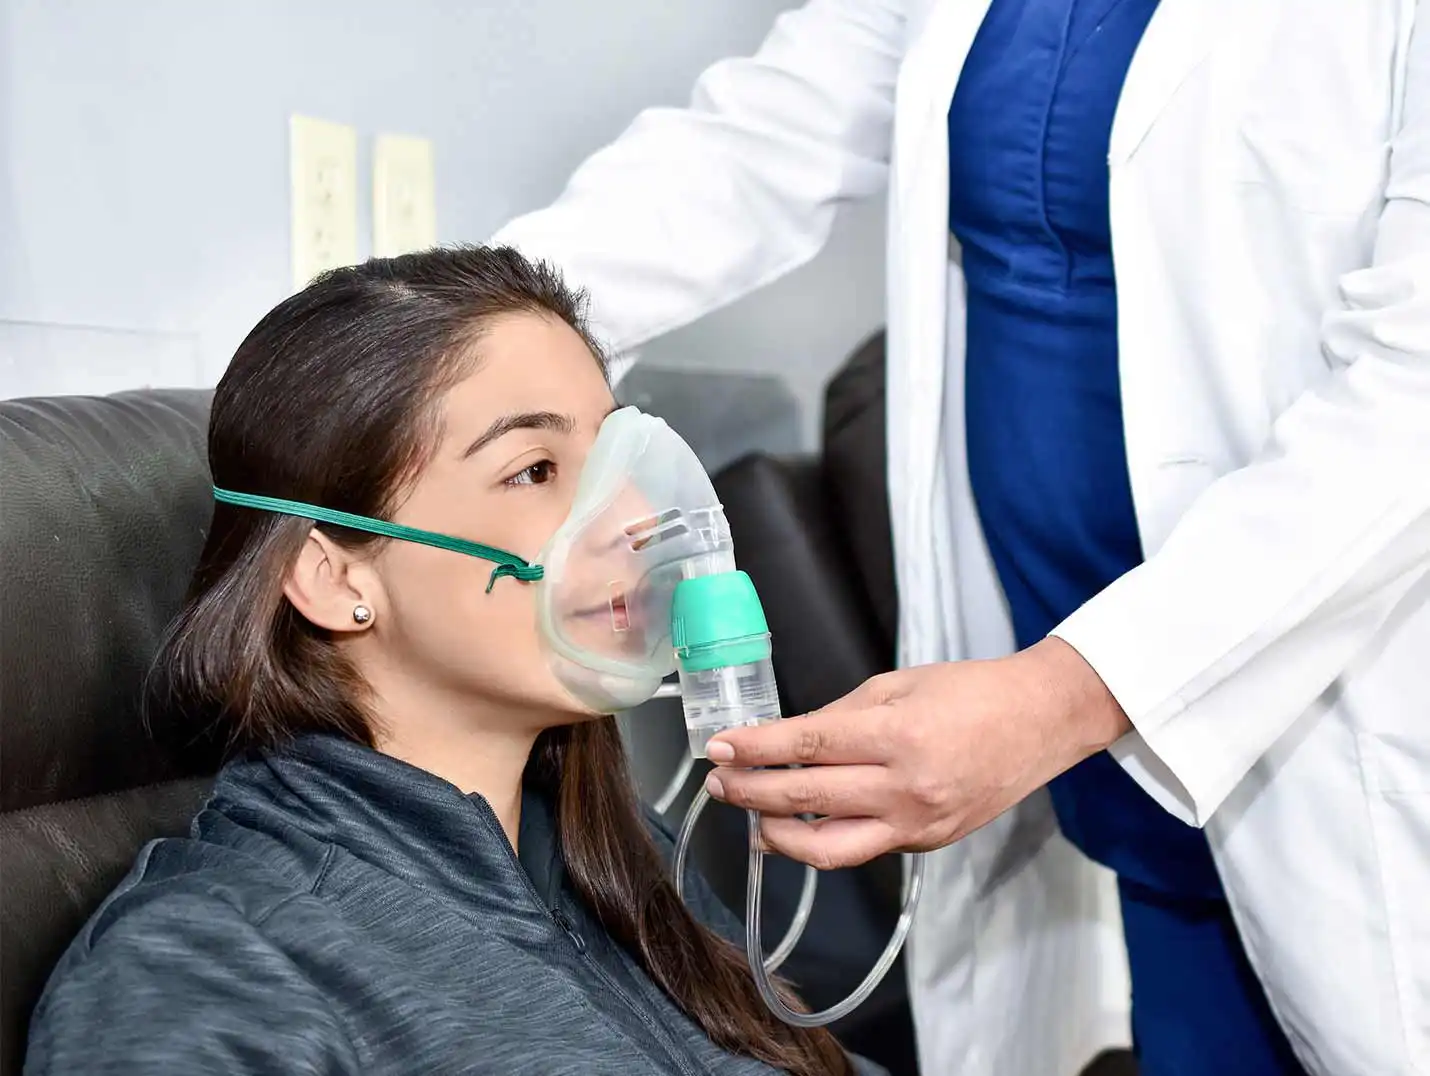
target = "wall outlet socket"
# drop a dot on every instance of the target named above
(404, 195)
(323, 156)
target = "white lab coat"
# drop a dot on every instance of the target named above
(1270, 170)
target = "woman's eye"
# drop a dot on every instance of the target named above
(537, 474)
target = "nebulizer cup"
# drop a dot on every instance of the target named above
(723, 654)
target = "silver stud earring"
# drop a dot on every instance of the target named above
(361, 614)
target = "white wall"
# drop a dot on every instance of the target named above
(143, 163)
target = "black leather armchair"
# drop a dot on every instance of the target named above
(103, 506)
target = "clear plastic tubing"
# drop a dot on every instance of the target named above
(763, 966)
(913, 887)
(802, 910)
(732, 697)
(676, 787)
(727, 681)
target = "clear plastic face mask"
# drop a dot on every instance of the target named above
(645, 516)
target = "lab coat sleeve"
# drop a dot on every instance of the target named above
(1281, 572)
(693, 208)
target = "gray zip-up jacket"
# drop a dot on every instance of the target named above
(337, 911)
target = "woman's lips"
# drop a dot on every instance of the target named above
(614, 610)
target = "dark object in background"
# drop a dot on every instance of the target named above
(103, 508)
(855, 470)
(1112, 1063)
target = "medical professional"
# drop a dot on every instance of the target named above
(1159, 452)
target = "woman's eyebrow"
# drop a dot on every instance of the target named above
(523, 420)
(527, 420)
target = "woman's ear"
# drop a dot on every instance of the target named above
(331, 587)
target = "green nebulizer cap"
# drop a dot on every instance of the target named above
(718, 621)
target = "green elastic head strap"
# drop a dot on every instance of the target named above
(506, 563)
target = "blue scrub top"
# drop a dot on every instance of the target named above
(1029, 129)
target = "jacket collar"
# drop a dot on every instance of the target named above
(539, 846)
(399, 819)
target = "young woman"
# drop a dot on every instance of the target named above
(426, 858)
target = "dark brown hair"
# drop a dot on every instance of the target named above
(331, 401)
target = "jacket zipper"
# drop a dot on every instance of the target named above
(651, 1024)
(564, 924)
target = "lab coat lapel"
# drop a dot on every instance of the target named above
(918, 347)
(927, 81)
(1178, 40)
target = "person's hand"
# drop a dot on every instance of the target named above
(916, 759)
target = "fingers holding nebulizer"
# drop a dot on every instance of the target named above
(727, 681)
(722, 647)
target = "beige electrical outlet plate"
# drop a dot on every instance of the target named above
(404, 193)
(324, 193)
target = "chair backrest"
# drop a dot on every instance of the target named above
(855, 465)
(104, 503)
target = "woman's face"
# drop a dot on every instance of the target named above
(513, 437)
